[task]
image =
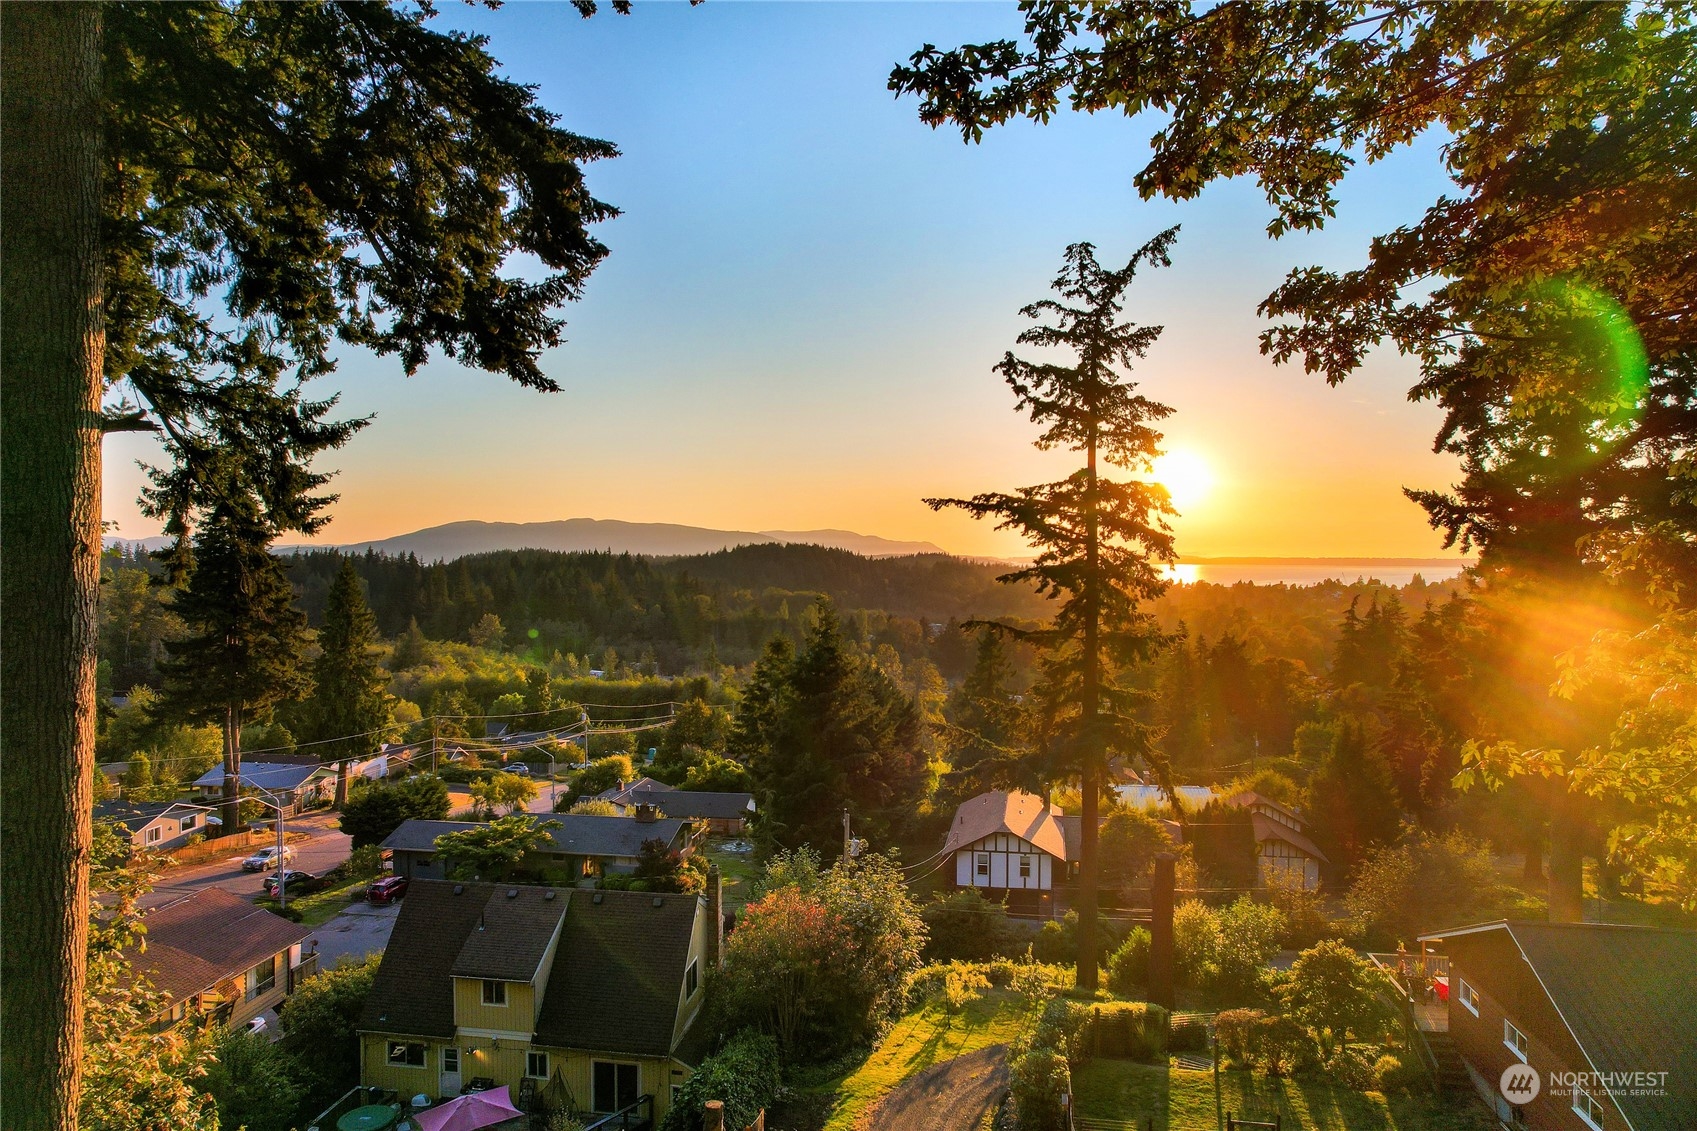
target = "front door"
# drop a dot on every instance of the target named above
(450, 1083)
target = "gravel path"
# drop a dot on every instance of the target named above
(955, 1095)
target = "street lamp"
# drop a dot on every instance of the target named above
(276, 804)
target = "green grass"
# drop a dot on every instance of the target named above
(321, 906)
(738, 869)
(924, 1037)
(1180, 1100)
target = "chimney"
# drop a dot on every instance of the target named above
(646, 814)
(619, 786)
(715, 909)
(1161, 933)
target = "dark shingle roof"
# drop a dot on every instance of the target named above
(1628, 995)
(199, 940)
(579, 834)
(413, 993)
(266, 775)
(133, 815)
(618, 973)
(512, 935)
(694, 805)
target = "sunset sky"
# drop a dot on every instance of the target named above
(807, 291)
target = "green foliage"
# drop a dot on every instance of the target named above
(1250, 934)
(256, 1084)
(503, 791)
(1196, 943)
(587, 807)
(371, 814)
(664, 869)
(319, 1024)
(1130, 840)
(1038, 1083)
(745, 1075)
(822, 730)
(494, 851)
(1352, 803)
(1128, 967)
(1222, 840)
(1057, 940)
(1398, 887)
(349, 696)
(1129, 1029)
(604, 774)
(982, 718)
(964, 926)
(1335, 993)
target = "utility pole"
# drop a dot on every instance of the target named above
(848, 841)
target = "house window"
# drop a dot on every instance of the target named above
(613, 1086)
(983, 863)
(692, 979)
(1468, 996)
(406, 1054)
(153, 834)
(450, 1058)
(1515, 1040)
(188, 821)
(1588, 1109)
(494, 993)
(262, 979)
(536, 1064)
(1025, 867)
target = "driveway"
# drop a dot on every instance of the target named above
(360, 930)
(955, 1095)
(324, 847)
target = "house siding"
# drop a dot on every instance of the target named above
(1004, 850)
(1508, 990)
(504, 1061)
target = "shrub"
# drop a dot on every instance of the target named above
(1134, 1029)
(1334, 992)
(586, 806)
(1249, 934)
(1128, 967)
(961, 985)
(1038, 1082)
(965, 927)
(1196, 943)
(1064, 1027)
(744, 1074)
(1393, 1075)
(1282, 1046)
(1052, 944)
(1235, 1029)
(1351, 1068)
(603, 774)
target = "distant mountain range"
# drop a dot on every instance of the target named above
(655, 539)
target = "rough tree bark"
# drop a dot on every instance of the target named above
(51, 349)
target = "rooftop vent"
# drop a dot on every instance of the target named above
(459, 889)
(658, 902)
(597, 898)
(512, 893)
(549, 894)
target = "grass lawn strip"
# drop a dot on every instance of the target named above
(321, 906)
(1120, 1091)
(925, 1037)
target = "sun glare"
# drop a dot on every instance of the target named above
(1186, 476)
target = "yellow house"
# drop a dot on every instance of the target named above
(593, 991)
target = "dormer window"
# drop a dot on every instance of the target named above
(494, 993)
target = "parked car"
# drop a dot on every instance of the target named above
(518, 768)
(292, 881)
(267, 858)
(386, 890)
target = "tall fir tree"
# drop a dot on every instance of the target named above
(350, 707)
(1098, 539)
(246, 641)
(982, 725)
(1352, 799)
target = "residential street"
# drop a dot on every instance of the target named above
(323, 848)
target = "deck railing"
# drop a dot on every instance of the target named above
(637, 1115)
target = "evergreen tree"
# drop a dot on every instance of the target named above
(825, 731)
(349, 702)
(983, 725)
(1097, 539)
(1352, 800)
(246, 638)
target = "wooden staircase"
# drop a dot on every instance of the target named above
(1452, 1076)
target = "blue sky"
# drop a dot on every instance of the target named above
(807, 290)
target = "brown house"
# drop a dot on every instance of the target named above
(215, 954)
(1604, 1016)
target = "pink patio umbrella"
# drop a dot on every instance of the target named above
(469, 1112)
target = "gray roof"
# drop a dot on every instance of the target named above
(619, 971)
(201, 939)
(579, 834)
(512, 934)
(693, 805)
(137, 815)
(1628, 995)
(267, 775)
(614, 987)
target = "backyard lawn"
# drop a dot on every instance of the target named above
(737, 869)
(1116, 1093)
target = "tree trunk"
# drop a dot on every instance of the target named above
(1090, 776)
(1567, 859)
(51, 359)
(231, 808)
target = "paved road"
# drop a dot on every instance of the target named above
(955, 1095)
(323, 848)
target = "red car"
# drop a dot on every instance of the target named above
(386, 890)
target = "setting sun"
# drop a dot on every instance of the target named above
(1186, 476)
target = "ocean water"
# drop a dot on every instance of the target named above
(1313, 573)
